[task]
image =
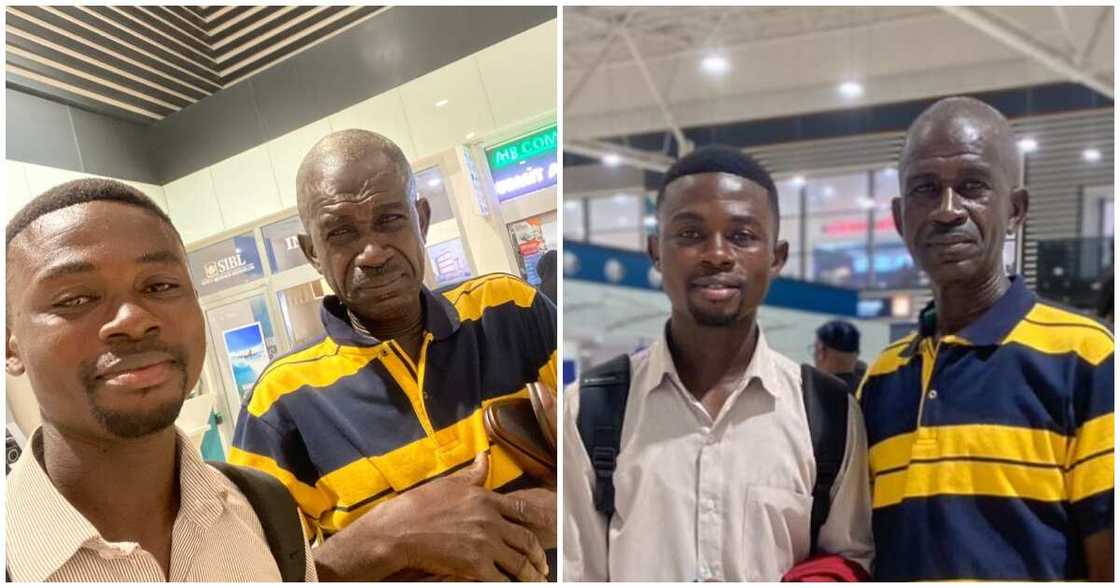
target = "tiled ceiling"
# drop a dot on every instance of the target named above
(144, 63)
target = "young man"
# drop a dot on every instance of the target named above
(375, 428)
(836, 351)
(716, 469)
(104, 320)
(991, 428)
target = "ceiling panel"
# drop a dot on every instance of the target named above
(143, 63)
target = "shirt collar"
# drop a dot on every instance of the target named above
(991, 327)
(35, 506)
(440, 319)
(661, 366)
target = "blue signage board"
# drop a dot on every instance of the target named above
(226, 264)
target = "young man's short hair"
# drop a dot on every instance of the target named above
(726, 159)
(80, 192)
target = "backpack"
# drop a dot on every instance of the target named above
(603, 391)
(278, 514)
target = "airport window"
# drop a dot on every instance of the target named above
(616, 221)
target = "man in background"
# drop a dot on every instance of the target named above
(836, 351)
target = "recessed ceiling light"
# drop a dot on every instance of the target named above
(432, 183)
(1028, 145)
(1091, 155)
(442, 103)
(570, 205)
(798, 181)
(470, 135)
(611, 159)
(715, 64)
(850, 89)
(829, 192)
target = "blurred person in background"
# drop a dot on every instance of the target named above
(836, 351)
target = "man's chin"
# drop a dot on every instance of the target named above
(709, 318)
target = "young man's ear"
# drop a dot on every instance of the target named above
(781, 255)
(653, 250)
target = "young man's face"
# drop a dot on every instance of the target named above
(715, 247)
(103, 318)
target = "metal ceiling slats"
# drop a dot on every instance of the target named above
(144, 62)
(87, 82)
(295, 46)
(195, 25)
(216, 22)
(31, 49)
(218, 38)
(263, 41)
(99, 32)
(102, 53)
(157, 21)
(239, 48)
(131, 33)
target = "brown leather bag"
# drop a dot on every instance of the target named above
(522, 428)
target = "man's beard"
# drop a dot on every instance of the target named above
(133, 425)
(710, 319)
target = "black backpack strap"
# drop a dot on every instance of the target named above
(826, 407)
(603, 390)
(278, 514)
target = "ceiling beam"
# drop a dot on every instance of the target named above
(683, 144)
(1002, 31)
(570, 97)
(647, 160)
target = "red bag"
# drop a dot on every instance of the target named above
(827, 568)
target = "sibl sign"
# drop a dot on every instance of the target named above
(524, 165)
(226, 264)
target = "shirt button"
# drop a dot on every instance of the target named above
(932, 395)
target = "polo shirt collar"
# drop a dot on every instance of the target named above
(994, 325)
(34, 506)
(440, 319)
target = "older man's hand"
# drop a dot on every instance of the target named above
(452, 526)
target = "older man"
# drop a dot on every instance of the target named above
(376, 428)
(103, 319)
(990, 429)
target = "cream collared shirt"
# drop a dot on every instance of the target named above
(216, 536)
(699, 498)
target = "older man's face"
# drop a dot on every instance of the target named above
(957, 201)
(367, 235)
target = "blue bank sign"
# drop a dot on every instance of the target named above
(524, 165)
(225, 264)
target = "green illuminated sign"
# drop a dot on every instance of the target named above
(523, 148)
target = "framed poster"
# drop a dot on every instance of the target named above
(248, 356)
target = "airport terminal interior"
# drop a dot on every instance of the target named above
(209, 111)
(822, 96)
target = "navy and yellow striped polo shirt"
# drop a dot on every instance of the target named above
(991, 450)
(349, 421)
